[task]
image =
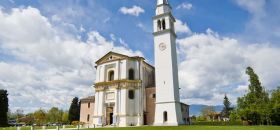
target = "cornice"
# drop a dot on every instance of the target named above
(165, 31)
(118, 84)
(163, 15)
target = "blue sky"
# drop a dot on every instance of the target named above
(225, 17)
(47, 47)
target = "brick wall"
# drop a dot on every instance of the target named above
(150, 102)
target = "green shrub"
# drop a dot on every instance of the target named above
(75, 122)
(217, 123)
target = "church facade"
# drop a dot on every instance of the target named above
(131, 92)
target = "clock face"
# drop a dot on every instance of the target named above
(162, 46)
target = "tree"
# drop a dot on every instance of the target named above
(208, 111)
(40, 117)
(54, 115)
(65, 117)
(275, 106)
(4, 107)
(193, 118)
(227, 109)
(233, 116)
(27, 119)
(19, 114)
(74, 111)
(253, 106)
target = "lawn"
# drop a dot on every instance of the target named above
(178, 128)
(36, 127)
(198, 128)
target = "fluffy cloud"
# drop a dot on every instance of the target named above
(264, 20)
(211, 65)
(253, 6)
(187, 6)
(181, 27)
(50, 66)
(135, 10)
(44, 65)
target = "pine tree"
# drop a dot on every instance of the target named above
(74, 111)
(226, 110)
(253, 106)
(4, 108)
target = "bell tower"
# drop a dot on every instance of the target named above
(168, 107)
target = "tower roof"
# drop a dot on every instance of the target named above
(160, 2)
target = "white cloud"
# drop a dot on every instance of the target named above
(263, 24)
(143, 27)
(135, 10)
(241, 89)
(50, 66)
(107, 20)
(123, 43)
(140, 25)
(211, 65)
(12, 1)
(181, 27)
(253, 6)
(56, 18)
(187, 6)
(82, 29)
(113, 37)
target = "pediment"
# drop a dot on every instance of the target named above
(111, 56)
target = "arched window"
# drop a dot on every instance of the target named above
(154, 96)
(131, 94)
(163, 24)
(131, 74)
(159, 25)
(111, 75)
(89, 105)
(165, 118)
(88, 116)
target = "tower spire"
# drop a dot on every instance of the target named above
(162, 7)
(160, 2)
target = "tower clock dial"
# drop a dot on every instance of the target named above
(162, 46)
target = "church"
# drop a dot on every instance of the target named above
(131, 92)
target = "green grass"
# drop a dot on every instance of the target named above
(36, 127)
(48, 127)
(14, 128)
(197, 128)
(179, 128)
(70, 126)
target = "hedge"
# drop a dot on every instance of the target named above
(217, 123)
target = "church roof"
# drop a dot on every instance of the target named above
(108, 55)
(113, 56)
(88, 99)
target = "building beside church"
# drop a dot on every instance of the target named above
(87, 109)
(131, 92)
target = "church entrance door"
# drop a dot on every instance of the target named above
(109, 115)
(145, 119)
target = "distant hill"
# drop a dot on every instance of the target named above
(195, 109)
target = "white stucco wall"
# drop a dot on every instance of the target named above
(127, 111)
(167, 85)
